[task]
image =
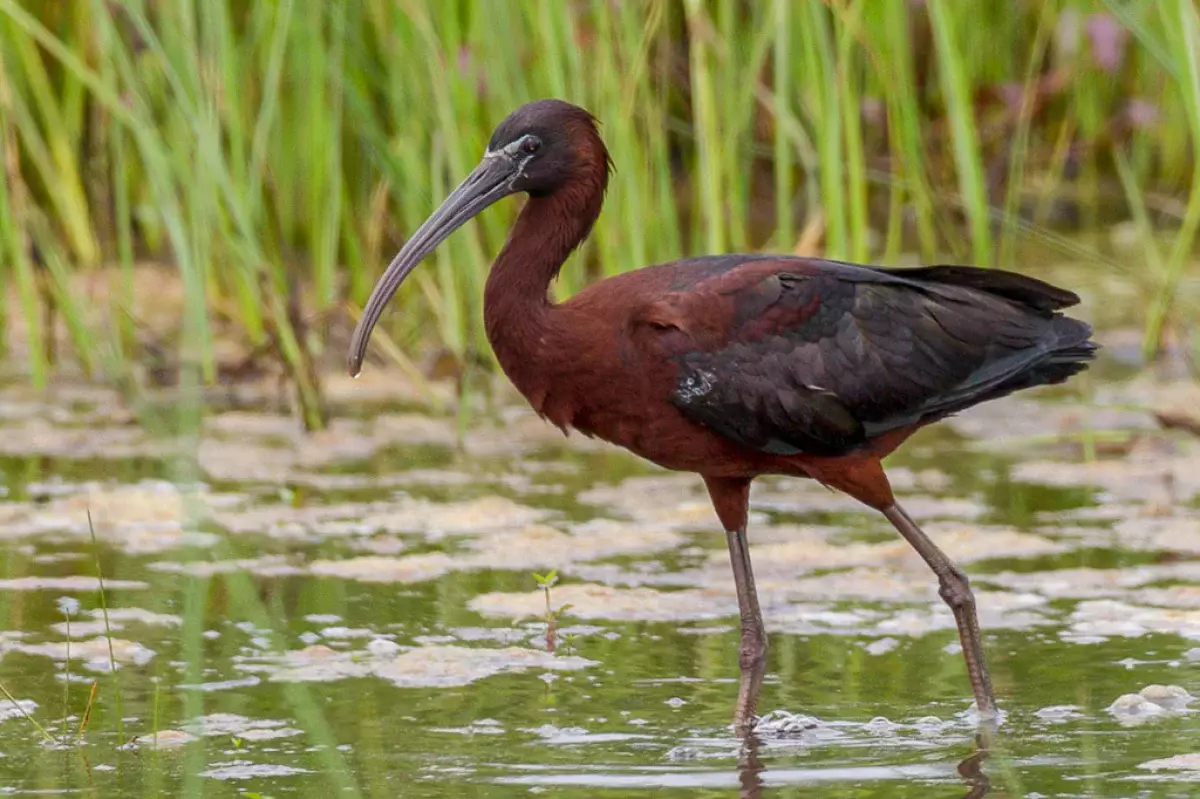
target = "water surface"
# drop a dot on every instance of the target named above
(357, 611)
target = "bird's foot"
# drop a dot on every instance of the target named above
(987, 721)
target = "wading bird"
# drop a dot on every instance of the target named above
(735, 366)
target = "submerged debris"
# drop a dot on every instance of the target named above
(1171, 697)
(783, 724)
(146, 517)
(590, 601)
(72, 583)
(166, 739)
(434, 666)
(236, 726)
(135, 616)
(98, 654)
(433, 520)
(18, 709)
(382, 569)
(1095, 620)
(1186, 763)
(542, 546)
(442, 666)
(264, 566)
(1151, 701)
(480, 727)
(1058, 714)
(247, 770)
(1161, 480)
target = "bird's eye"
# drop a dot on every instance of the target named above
(530, 144)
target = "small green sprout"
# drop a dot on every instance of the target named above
(546, 582)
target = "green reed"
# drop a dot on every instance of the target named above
(276, 154)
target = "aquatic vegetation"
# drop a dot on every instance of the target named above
(546, 582)
(273, 157)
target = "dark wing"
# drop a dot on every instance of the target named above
(795, 356)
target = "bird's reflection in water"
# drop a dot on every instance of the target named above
(750, 766)
(750, 769)
(971, 768)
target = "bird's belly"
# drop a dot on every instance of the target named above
(626, 401)
(658, 432)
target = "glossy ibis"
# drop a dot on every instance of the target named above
(734, 366)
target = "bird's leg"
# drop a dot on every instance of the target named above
(731, 498)
(753, 649)
(956, 591)
(752, 652)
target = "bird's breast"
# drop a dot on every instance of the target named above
(593, 368)
(601, 384)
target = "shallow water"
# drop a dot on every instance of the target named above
(356, 612)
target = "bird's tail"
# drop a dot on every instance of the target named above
(1071, 353)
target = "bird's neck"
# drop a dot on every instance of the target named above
(517, 310)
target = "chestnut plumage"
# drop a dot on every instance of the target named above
(735, 366)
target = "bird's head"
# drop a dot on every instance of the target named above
(543, 148)
(547, 144)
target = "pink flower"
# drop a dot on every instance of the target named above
(1108, 39)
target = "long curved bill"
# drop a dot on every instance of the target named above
(488, 182)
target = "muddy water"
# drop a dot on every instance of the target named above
(356, 613)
